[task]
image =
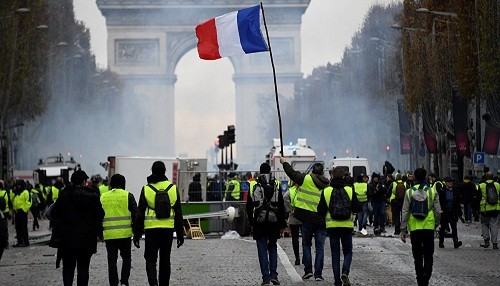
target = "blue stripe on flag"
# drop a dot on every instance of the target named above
(251, 38)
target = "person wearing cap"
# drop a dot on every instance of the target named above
(77, 216)
(159, 232)
(120, 210)
(266, 213)
(449, 197)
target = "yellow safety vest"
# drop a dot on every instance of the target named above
(117, 222)
(150, 218)
(485, 206)
(337, 223)
(22, 201)
(361, 190)
(429, 221)
(4, 195)
(252, 186)
(103, 189)
(236, 191)
(55, 194)
(309, 195)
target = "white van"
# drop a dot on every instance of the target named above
(355, 166)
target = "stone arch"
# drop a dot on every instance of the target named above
(147, 39)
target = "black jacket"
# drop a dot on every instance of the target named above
(320, 181)
(269, 229)
(77, 216)
(456, 210)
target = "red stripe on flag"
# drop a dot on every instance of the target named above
(208, 45)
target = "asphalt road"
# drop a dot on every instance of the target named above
(216, 261)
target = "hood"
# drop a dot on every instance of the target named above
(338, 183)
(81, 196)
(320, 181)
(154, 178)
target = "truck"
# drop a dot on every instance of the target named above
(48, 170)
(353, 166)
(299, 155)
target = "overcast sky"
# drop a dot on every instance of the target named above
(327, 28)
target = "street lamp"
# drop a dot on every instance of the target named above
(438, 13)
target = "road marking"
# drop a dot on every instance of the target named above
(285, 261)
(290, 269)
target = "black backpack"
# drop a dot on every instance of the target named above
(340, 205)
(419, 202)
(491, 194)
(162, 202)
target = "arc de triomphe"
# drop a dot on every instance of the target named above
(146, 40)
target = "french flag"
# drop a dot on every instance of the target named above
(235, 33)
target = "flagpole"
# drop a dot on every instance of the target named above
(274, 78)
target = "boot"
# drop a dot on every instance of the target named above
(456, 242)
(486, 243)
(495, 246)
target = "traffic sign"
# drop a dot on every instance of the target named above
(478, 158)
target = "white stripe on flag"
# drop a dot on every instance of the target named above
(228, 36)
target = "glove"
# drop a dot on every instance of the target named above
(137, 242)
(180, 241)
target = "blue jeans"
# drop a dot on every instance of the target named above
(340, 235)
(268, 258)
(380, 215)
(309, 231)
(363, 216)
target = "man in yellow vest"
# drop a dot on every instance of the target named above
(490, 211)
(306, 210)
(120, 210)
(338, 203)
(398, 190)
(103, 186)
(159, 231)
(361, 190)
(4, 214)
(21, 204)
(421, 216)
(233, 188)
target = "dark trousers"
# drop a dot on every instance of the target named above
(4, 235)
(22, 227)
(396, 208)
(445, 220)
(123, 245)
(295, 229)
(81, 260)
(158, 239)
(422, 246)
(35, 211)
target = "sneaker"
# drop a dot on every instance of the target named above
(486, 244)
(264, 283)
(495, 246)
(458, 244)
(319, 278)
(345, 280)
(275, 281)
(307, 275)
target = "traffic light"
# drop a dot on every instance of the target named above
(231, 131)
(222, 141)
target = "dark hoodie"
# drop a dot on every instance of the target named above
(77, 216)
(320, 181)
